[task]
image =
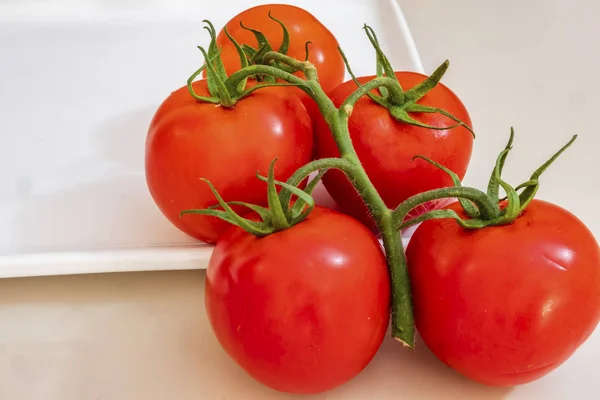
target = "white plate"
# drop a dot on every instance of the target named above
(80, 81)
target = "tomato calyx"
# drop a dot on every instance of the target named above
(256, 56)
(400, 102)
(222, 90)
(282, 212)
(483, 209)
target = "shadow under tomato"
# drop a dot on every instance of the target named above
(417, 374)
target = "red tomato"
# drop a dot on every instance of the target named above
(506, 305)
(302, 26)
(302, 310)
(188, 140)
(386, 147)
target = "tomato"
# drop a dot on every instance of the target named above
(386, 147)
(506, 305)
(302, 26)
(302, 310)
(188, 140)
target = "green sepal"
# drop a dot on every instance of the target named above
(216, 85)
(285, 41)
(401, 114)
(420, 108)
(256, 55)
(513, 206)
(306, 49)
(216, 75)
(529, 193)
(382, 60)
(470, 209)
(259, 54)
(214, 52)
(256, 228)
(494, 185)
(190, 83)
(262, 212)
(242, 55)
(296, 210)
(302, 195)
(279, 218)
(418, 91)
(380, 72)
(248, 50)
(261, 39)
(377, 99)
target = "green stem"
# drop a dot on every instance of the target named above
(401, 307)
(307, 68)
(349, 163)
(279, 219)
(390, 84)
(403, 327)
(190, 83)
(487, 208)
(359, 178)
(313, 166)
(316, 165)
(237, 77)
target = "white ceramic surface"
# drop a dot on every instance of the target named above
(80, 81)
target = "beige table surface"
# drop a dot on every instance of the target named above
(145, 336)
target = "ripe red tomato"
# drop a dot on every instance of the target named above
(302, 26)
(506, 305)
(188, 140)
(386, 147)
(302, 310)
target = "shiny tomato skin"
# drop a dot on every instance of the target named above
(188, 140)
(506, 305)
(302, 26)
(303, 310)
(386, 147)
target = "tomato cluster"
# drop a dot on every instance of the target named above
(299, 295)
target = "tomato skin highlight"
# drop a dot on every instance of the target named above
(303, 310)
(188, 140)
(506, 305)
(386, 147)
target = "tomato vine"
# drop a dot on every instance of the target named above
(483, 208)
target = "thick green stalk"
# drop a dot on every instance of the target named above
(401, 307)
(337, 119)
(338, 125)
(403, 326)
